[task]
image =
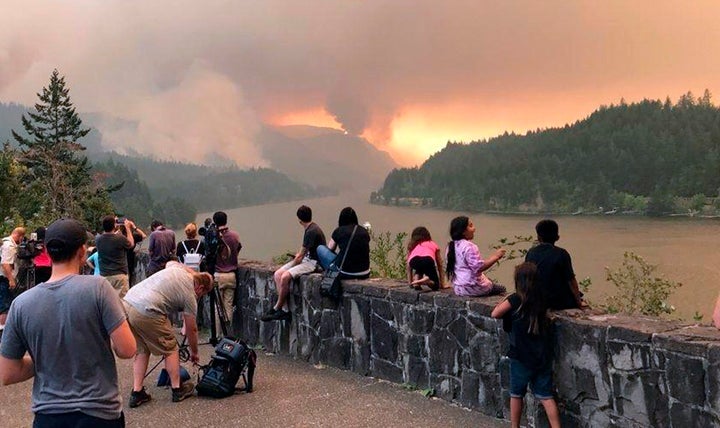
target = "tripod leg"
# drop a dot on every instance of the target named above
(220, 307)
(213, 304)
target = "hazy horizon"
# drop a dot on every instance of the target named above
(406, 75)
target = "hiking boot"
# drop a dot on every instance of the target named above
(278, 315)
(269, 315)
(185, 391)
(138, 397)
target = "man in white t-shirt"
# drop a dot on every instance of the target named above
(148, 304)
(8, 271)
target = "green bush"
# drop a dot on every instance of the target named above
(388, 255)
(639, 288)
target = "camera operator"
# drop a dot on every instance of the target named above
(227, 265)
(112, 248)
(8, 270)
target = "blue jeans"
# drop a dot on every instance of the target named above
(326, 257)
(5, 295)
(540, 381)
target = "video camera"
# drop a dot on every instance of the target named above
(28, 249)
(213, 237)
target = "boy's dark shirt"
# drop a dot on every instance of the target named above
(554, 273)
(112, 253)
(533, 351)
(313, 238)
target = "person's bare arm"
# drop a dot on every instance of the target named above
(129, 226)
(441, 269)
(500, 253)
(501, 309)
(576, 292)
(408, 272)
(191, 332)
(15, 371)
(123, 341)
(331, 245)
(299, 256)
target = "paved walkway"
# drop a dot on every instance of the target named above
(288, 393)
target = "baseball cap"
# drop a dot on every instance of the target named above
(65, 233)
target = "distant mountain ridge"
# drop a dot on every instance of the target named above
(325, 157)
(646, 157)
(320, 157)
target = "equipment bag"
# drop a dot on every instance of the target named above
(192, 259)
(232, 359)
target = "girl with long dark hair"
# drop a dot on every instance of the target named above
(424, 263)
(465, 265)
(525, 318)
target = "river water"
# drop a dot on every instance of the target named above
(684, 249)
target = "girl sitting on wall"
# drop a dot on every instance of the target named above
(465, 265)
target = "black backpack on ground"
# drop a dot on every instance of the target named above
(232, 359)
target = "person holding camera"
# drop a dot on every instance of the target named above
(112, 249)
(64, 333)
(8, 270)
(161, 247)
(227, 264)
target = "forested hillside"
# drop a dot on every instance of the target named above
(650, 157)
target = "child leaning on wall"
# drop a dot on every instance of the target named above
(424, 262)
(525, 319)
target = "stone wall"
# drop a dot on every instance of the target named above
(609, 370)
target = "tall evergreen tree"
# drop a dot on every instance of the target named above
(58, 174)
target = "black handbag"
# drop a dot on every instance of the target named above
(330, 286)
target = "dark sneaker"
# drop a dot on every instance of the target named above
(185, 391)
(138, 397)
(269, 315)
(277, 315)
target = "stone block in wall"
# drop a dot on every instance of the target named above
(336, 352)
(638, 399)
(417, 372)
(356, 318)
(446, 387)
(685, 378)
(413, 345)
(443, 317)
(330, 325)
(482, 352)
(470, 389)
(309, 344)
(683, 415)
(444, 353)
(361, 358)
(383, 339)
(713, 378)
(387, 310)
(386, 370)
(629, 356)
(403, 294)
(419, 319)
(581, 365)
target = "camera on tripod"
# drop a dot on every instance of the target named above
(213, 237)
(28, 249)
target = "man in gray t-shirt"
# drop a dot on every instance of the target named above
(69, 326)
(148, 304)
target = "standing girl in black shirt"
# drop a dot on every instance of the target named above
(525, 318)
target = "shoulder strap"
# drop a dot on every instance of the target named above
(342, 262)
(186, 250)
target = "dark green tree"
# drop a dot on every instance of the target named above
(57, 174)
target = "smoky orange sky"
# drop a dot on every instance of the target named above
(409, 75)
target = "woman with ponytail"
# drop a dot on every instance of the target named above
(465, 265)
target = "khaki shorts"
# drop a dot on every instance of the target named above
(153, 334)
(120, 282)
